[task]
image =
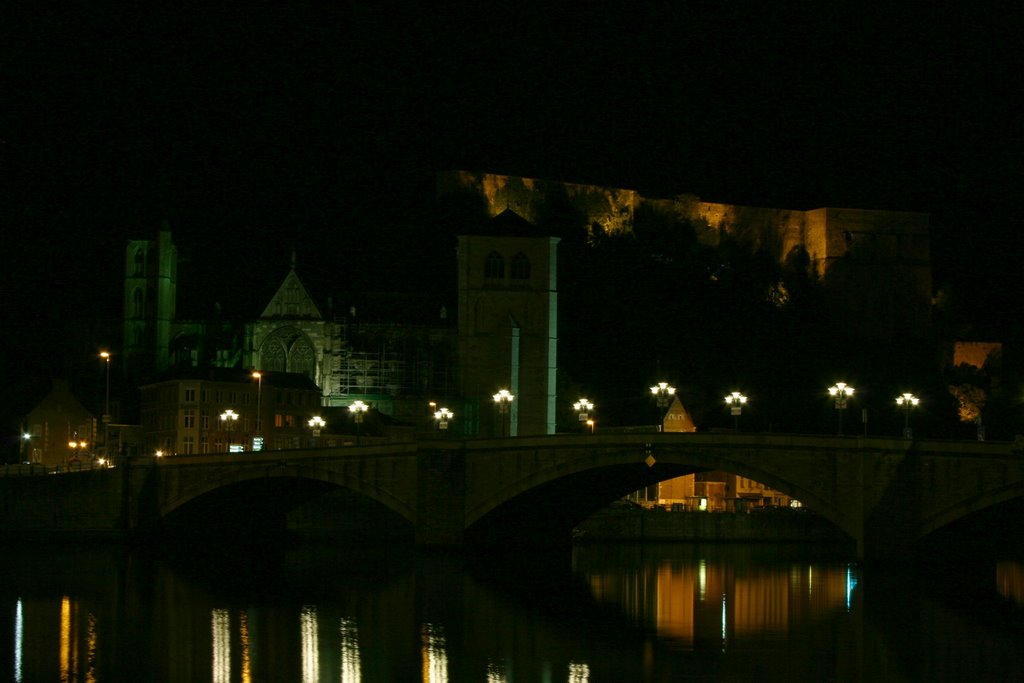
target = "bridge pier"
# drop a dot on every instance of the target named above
(440, 497)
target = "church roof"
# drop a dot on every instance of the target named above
(508, 223)
(292, 301)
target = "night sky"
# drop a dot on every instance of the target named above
(254, 130)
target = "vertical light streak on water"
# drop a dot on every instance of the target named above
(91, 636)
(19, 639)
(579, 672)
(220, 632)
(310, 646)
(723, 622)
(351, 666)
(65, 638)
(810, 581)
(496, 672)
(243, 632)
(435, 657)
(851, 583)
(703, 573)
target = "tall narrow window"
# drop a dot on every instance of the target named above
(520, 267)
(494, 267)
(140, 262)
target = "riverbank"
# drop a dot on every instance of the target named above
(633, 523)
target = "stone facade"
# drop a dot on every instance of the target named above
(876, 265)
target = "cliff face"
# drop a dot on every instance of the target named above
(876, 265)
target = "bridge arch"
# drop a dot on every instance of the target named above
(607, 473)
(204, 483)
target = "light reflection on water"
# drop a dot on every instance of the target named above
(606, 613)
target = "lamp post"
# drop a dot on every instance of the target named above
(907, 401)
(503, 399)
(840, 391)
(316, 423)
(228, 419)
(259, 402)
(663, 393)
(583, 408)
(358, 409)
(590, 423)
(105, 355)
(442, 416)
(735, 401)
(26, 439)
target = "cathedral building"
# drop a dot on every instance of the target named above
(505, 336)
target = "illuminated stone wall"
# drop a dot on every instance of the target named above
(876, 264)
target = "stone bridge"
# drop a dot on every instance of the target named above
(884, 493)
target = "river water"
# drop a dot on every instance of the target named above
(618, 613)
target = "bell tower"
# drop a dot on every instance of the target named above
(508, 325)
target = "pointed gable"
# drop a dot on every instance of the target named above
(292, 301)
(677, 419)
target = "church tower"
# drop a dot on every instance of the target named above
(508, 325)
(150, 293)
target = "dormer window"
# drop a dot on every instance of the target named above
(520, 267)
(494, 267)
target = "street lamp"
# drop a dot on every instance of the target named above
(591, 424)
(316, 423)
(26, 438)
(442, 416)
(735, 401)
(583, 408)
(840, 391)
(105, 355)
(503, 399)
(358, 409)
(259, 401)
(907, 401)
(228, 419)
(663, 393)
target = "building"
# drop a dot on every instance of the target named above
(505, 336)
(218, 410)
(59, 430)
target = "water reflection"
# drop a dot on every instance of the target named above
(673, 593)
(1010, 580)
(647, 613)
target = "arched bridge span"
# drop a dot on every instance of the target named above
(884, 493)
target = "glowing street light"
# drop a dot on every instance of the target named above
(105, 355)
(316, 423)
(442, 416)
(258, 376)
(735, 401)
(590, 423)
(907, 401)
(583, 408)
(228, 419)
(503, 399)
(26, 439)
(663, 393)
(840, 391)
(358, 409)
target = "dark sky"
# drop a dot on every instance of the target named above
(258, 128)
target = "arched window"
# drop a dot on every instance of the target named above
(494, 266)
(137, 304)
(520, 267)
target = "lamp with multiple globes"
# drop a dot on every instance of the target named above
(907, 401)
(735, 401)
(442, 417)
(840, 392)
(503, 399)
(663, 394)
(358, 410)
